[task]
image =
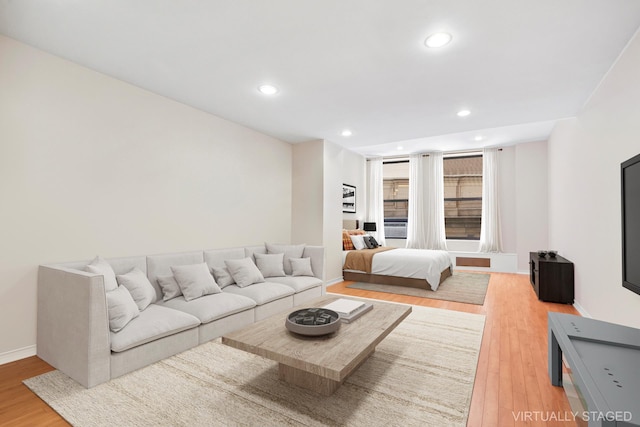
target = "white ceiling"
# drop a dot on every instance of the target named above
(359, 64)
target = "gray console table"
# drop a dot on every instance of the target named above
(604, 359)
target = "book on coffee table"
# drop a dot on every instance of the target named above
(349, 310)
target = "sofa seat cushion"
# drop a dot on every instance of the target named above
(153, 323)
(298, 283)
(211, 307)
(261, 293)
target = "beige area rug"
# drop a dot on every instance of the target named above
(422, 374)
(470, 288)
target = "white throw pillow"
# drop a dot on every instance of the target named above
(301, 267)
(139, 287)
(195, 280)
(244, 272)
(169, 286)
(358, 242)
(222, 276)
(121, 307)
(100, 266)
(289, 251)
(270, 265)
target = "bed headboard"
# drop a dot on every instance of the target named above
(350, 224)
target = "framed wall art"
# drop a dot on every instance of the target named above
(348, 198)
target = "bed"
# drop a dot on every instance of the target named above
(417, 268)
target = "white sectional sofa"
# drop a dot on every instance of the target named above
(73, 320)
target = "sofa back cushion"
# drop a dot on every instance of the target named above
(217, 257)
(124, 265)
(249, 251)
(121, 265)
(160, 265)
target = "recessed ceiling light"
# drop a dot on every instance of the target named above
(463, 113)
(478, 138)
(437, 40)
(268, 89)
(346, 132)
(399, 147)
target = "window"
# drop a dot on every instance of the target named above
(463, 197)
(396, 198)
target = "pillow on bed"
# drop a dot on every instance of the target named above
(347, 244)
(356, 232)
(358, 242)
(371, 242)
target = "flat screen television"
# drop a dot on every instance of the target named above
(630, 174)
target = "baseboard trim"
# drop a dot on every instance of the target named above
(334, 281)
(581, 309)
(21, 353)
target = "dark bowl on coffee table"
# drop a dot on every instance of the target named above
(313, 321)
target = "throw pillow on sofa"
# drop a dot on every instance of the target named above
(139, 287)
(301, 267)
(222, 276)
(270, 265)
(289, 251)
(100, 266)
(169, 286)
(121, 307)
(195, 280)
(244, 272)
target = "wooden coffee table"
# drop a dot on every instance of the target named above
(320, 364)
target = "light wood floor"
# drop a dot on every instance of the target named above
(512, 368)
(511, 376)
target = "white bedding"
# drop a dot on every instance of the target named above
(413, 263)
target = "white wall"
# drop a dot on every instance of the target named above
(531, 210)
(319, 170)
(90, 165)
(354, 172)
(508, 198)
(584, 190)
(333, 167)
(308, 193)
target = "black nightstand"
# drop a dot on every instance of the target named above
(552, 278)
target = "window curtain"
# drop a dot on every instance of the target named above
(375, 198)
(416, 224)
(436, 237)
(490, 235)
